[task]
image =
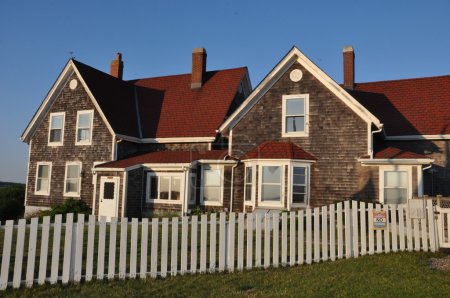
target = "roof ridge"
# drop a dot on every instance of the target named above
(406, 79)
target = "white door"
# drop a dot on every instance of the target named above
(109, 197)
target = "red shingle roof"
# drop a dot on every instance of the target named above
(278, 150)
(395, 153)
(165, 157)
(168, 107)
(409, 107)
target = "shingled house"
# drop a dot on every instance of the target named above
(205, 139)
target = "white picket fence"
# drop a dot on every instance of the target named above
(99, 249)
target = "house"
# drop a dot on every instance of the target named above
(298, 140)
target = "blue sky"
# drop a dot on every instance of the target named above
(392, 40)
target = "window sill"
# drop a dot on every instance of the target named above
(71, 195)
(267, 204)
(211, 203)
(83, 144)
(55, 144)
(294, 134)
(42, 193)
(174, 202)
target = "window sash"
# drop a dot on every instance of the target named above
(73, 176)
(56, 128)
(299, 185)
(164, 188)
(42, 178)
(248, 183)
(212, 185)
(84, 127)
(271, 191)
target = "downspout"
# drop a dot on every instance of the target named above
(186, 190)
(371, 145)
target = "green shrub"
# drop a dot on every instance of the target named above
(11, 202)
(69, 206)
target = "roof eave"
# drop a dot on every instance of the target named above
(396, 161)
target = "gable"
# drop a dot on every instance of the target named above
(293, 56)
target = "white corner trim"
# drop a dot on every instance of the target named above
(124, 194)
(393, 161)
(166, 140)
(289, 59)
(418, 137)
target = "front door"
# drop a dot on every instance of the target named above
(109, 197)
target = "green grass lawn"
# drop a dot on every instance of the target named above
(390, 275)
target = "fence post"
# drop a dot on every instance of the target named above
(68, 245)
(348, 230)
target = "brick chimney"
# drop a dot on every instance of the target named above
(198, 67)
(117, 67)
(349, 67)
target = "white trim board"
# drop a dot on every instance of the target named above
(166, 140)
(295, 55)
(417, 137)
(393, 161)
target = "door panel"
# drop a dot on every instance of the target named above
(109, 197)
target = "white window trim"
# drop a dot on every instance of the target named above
(60, 143)
(47, 192)
(251, 202)
(215, 167)
(384, 168)
(305, 133)
(83, 143)
(159, 175)
(291, 182)
(279, 204)
(73, 194)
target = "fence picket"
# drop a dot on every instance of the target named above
(292, 238)
(340, 232)
(317, 234)
(194, 227)
(19, 253)
(401, 227)
(257, 240)
(431, 227)
(409, 230)
(231, 241)
(212, 242)
(184, 244)
(283, 239)
(370, 227)
(276, 240)
(249, 259)
(123, 248)
(56, 247)
(112, 248)
(90, 248)
(164, 246)
(301, 240)
(44, 250)
(332, 234)
(394, 227)
(308, 241)
(362, 216)
(240, 250)
(144, 248)
(267, 240)
(355, 230)
(67, 249)
(324, 233)
(387, 242)
(31, 251)
(348, 230)
(133, 247)
(174, 250)
(154, 249)
(222, 231)
(203, 242)
(78, 248)
(423, 227)
(101, 248)
(416, 229)
(379, 235)
(6, 255)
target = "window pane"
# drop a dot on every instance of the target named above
(271, 193)
(176, 187)
(298, 189)
(153, 188)
(212, 177)
(56, 122)
(211, 193)
(42, 185)
(164, 188)
(43, 171)
(299, 171)
(73, 171)
(72, 185)
(108, 190)
(395, 195)
(192, 188)
(55, 135)
(83, 134)
(248, 175)
(248, 192)
(299, 179)
(395, 179)
(295, 107)
(84, 120)
(295, 124)
(271, 174)
(298, 198)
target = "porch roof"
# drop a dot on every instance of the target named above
(278, 150)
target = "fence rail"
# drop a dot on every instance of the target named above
(36, 253)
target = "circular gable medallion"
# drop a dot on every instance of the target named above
(296, 75)
(73, 84)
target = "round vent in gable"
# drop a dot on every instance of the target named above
(296, 75)
(73, 84)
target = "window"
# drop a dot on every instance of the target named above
(73, 179)
(192, 188)
(395, 187)
(295, 115)
(299, 190)
(163, 188)
(43, 174)
(56, 129)
(248, 183)
(271, 184)
(108, 190)
(212, 185)
(84, 127)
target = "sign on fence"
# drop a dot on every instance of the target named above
(379, 220)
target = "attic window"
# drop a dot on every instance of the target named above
(84, 127)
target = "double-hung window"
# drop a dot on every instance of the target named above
(295, 115)
(43, 174)
(299, 185)
(84, 127)
(395, 187)
(212, 186)
(72, 182)
(271, 184)
(248, 183)
(164, 188)
(56, 129)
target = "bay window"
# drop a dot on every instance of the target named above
(248, 183)
(299, 190)
(164, 187)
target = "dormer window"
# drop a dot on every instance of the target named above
(84, 127)
(56, 129)
(295, 115)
